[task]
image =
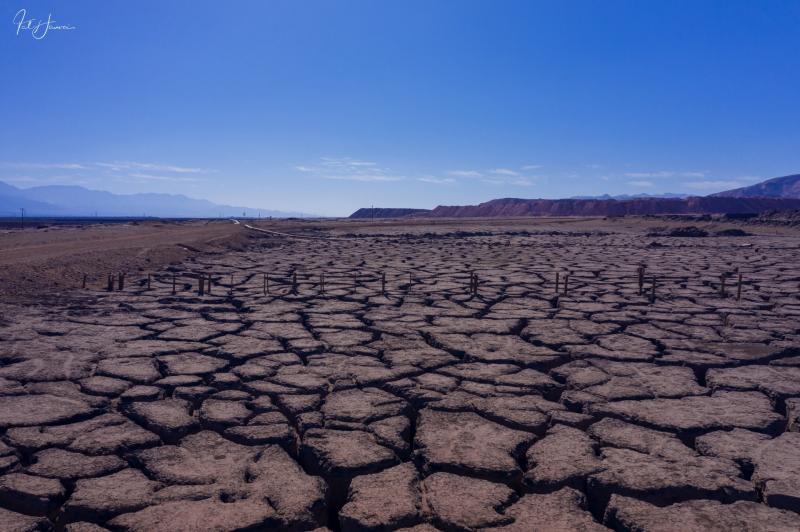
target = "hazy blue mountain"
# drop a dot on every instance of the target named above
(64, 200)
(632, 196)
(777, 187)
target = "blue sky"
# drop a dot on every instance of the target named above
(324, 107)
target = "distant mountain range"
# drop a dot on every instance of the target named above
(63, 200)
(779, 187)
(632, 196)
(779, 194)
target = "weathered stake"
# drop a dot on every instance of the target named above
(110, 286)
(383, 283)
(641, 279)
(148, 281)
(294, 282)
(201, 284)
(264, 285)
(566, 283)
(84, 282)
(174, 283)
(722, 285)
(739, 288)
(121, 283)
(557, 282)
(322, 283)
(209, 283)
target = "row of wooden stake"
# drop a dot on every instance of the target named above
(205, 283)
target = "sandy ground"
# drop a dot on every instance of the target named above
(456, 375)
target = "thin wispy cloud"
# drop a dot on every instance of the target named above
(436, 180)
(46, 166)
(663, 174)
(464, 173)
(522, 182)
(641, 183)
(715, 185)
(151, 177)
(532, 167)
(505, 171)
(128, 165)
(349, 169)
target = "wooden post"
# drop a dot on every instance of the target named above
(739, 288)
(264, 285)
(148, 281)
(209, 283)
(231, 285)
(641, 279)
(722, 285)
(173, 284)
(566, 283)
(383, 283)
(294, 282)
(355, 282)
(322, 283)
(121, 282)
(475, 284)
(201, 284)
(653, 291)
(84, 282)
(557, 282)
(266, 282)
(110, 286)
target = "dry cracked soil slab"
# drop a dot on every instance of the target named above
(396, 397)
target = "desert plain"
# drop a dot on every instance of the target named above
(514, 375)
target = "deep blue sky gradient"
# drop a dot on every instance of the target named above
(323, 107)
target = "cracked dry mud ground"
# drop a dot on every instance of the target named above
(425, 409)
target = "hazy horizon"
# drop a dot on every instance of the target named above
(324, 108)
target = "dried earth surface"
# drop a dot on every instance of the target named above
(297, 394)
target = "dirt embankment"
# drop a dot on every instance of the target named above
(36, 263)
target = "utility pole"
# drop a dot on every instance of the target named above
(22, 218)
(373, 213)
